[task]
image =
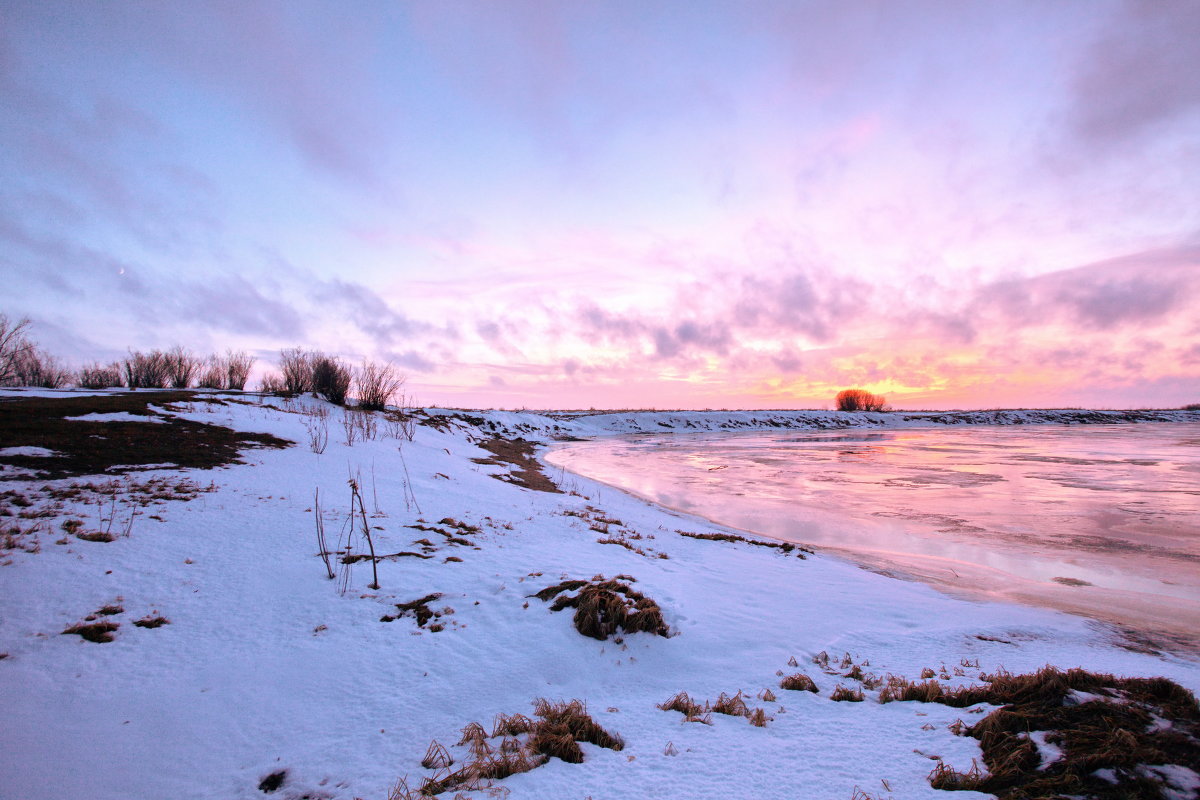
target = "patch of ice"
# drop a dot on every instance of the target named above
(26, 450)
(116, 416)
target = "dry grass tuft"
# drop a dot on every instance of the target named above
(98, 632)
(512, 725)
(733, 705)
(843, 693)
(557, 733)
(684, 704)
(473, 732)
(605, 607)
(950, 779)
(759, 718)
(573, 715)
(798, 683)
(156, 621)
(437, 756)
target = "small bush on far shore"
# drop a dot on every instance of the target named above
(1192, 407)
(860, 400)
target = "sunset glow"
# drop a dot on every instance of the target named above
(570, 205)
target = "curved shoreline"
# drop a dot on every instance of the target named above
(1135, 618)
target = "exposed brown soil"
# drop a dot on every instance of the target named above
(98, 447)
(519, 454)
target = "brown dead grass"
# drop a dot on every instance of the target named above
(99, 632)
(557, 732)
(798, 683)
(94, 448)
(1099, 721)
(783, 547)
(419, 608)
(605, 608)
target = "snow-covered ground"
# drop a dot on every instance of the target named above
(266, 665)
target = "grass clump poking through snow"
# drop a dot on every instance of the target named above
(605, 607)
(1114, 737)
(525, 744)
(798, 683)
(98, 632)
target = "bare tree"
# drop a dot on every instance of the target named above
(14, 343)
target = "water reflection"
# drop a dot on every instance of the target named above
(1103, 519)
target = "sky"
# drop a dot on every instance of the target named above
(619, 204)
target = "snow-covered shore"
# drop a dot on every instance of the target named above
(266, 666)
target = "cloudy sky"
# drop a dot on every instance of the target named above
(620, 204)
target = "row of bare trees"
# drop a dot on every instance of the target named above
(24, 363)
(375, 385)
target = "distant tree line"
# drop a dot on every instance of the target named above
(25, 363)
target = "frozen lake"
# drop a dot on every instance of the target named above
(1098, 519)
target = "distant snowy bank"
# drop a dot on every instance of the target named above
(536, 425)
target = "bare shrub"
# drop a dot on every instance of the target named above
(1192, 407)
(35, 367)
(296, 366)
(212, 375)
(377, 385)
(330, 378)
(317, 425)
(237, 369)
(182, 367)
(146, 370)
(272, 383)
(860, 400)
(99, 376)
(14, 341)
(400, 425)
